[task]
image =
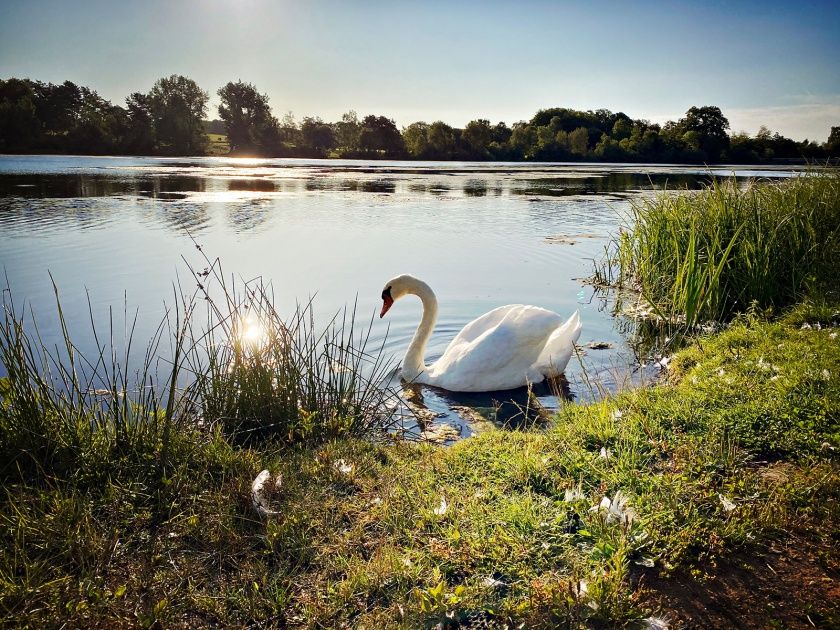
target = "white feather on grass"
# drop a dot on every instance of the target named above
(259, 500)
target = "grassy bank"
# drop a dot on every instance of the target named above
(551, 528)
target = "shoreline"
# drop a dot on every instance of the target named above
(627, 509)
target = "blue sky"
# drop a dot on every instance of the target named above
(770, 62)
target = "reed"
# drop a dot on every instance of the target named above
(706, 255)
(65, 411)
(260, 375)
(244, 371)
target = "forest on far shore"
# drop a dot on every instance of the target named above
(171, 120)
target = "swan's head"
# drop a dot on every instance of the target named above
(396, 288)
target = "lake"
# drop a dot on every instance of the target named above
(115, 230)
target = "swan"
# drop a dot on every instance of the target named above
(508, 347)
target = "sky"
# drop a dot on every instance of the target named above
(771, 63)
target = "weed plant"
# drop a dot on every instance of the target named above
(65, 412)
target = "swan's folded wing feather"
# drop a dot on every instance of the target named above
(559, 347)
(482, 324)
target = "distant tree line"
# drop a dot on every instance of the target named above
(170, 119)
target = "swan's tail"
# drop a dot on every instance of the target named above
(559, 348)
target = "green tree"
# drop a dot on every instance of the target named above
(140, 134)
(523, 137)
(478, 134)
(178, 107)
(347, 132)
(316, 135)
(379, 135)
(57, 106)
(99, 126)
(501, 133)
(246, 115)
(622, 128)
(704, 128)
(442, 141)
(579, 141)
(416, 139)
(609, 149)
(288, 131)
(832, 145)
(19, 125)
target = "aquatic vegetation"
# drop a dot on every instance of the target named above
(264, 376)
(700, 256)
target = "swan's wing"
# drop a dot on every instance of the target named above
(559, 347)
(480, 325)
(495, 351)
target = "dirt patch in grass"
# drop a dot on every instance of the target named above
(792, 584)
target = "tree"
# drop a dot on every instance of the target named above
(707, 128)
(832, 145)
(316, 135)
(416, 139)
(140, 134)
(579, 141)
(178, 107)
(609, 149)
(442, 141)
(288, 131)
(622, 128)
(522, 139)
(379, 135)
(19, 125)
(57, 106)
(501, 133)
(478, 134)
(547, 147)
(245, 113)
(98, 127)
(347, 132)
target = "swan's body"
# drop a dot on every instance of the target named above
(508, 347)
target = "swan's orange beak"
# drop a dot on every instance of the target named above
(387, 301)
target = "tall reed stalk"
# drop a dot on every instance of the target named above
(62, 409)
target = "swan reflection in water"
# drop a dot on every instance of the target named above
(439, 415)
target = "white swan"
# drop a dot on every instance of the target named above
(508, 347)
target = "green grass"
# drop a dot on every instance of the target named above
(707, 255)
(749, 416)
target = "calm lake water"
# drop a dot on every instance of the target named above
(115, 229)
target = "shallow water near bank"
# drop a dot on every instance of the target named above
(481, 234)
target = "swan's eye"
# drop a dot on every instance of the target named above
(386, 293)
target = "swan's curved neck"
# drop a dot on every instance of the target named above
(413, 364)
